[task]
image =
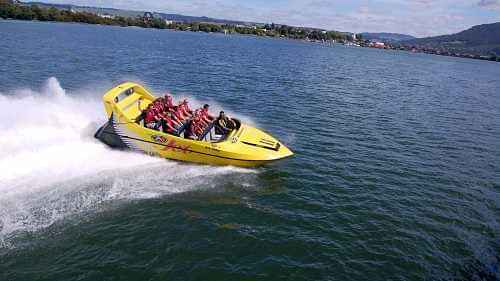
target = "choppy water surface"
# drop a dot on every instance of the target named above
(396, 174)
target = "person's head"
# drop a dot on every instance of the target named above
(205, 106)
(221, 114)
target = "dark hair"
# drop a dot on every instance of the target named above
(221, 112)
(205, 106)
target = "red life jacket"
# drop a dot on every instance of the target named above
(197, 126)
(205, 116)
(161, 107)
(170, 125)
(150, 116)
(198, 113)
(178, 114)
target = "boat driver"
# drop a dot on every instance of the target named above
(224, 124)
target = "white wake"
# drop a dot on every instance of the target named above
(52, 167)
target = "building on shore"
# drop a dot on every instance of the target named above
(106, 16)
(376, 44)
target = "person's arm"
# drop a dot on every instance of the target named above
(176, 122)
(185, 112)
(172, 129)
(139, 104)
(203, 122)
(221, 126)
(141, 117)
(233, 123)
(199, 130)
(207, 119)
(180, 116)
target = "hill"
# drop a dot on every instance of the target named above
(386, 37)
(479, 40)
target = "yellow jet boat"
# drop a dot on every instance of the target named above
(244, 146)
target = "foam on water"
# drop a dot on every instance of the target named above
(52, 166)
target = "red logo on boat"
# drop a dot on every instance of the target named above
(157, 138)
(172, 145)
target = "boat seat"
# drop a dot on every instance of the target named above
(206, 131)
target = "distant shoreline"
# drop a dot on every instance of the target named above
(28, 12)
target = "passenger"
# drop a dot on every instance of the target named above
(184, 109)
(189, 133)
(175, 117)
(181, 114)
(202, 114)
(224, 124)
(168, 101)
(152, 120)
(168, 124)
(160, 102)
(198, 118)
(174, 112)
(207, 117)
(198, 112)
(198, 126)
(156, 107)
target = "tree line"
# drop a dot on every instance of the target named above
(10, 10)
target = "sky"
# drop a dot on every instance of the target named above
(419, 18)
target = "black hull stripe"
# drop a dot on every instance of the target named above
(268, 143)
(261, 146)
(175, 147)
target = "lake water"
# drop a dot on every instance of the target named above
(396, 174)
